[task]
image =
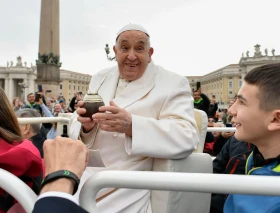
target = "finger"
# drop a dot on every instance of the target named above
(81, 103)
(81, 111)
(112, 103)
(108, 122)
(84, 119)
(111, 109)
(108, 128)
(103, 116)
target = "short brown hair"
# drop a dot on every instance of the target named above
(267, 79)
(9, 127)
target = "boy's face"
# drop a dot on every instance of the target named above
(251, 122)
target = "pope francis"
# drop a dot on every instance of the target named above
(148, 113)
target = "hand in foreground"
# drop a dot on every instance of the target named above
(86, 122)
(227, 134)
(64, 154)
(114, 119)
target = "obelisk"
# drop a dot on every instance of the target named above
(48, 63)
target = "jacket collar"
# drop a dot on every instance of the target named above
(134, 90)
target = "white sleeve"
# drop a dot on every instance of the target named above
(173, 134)
(59, 194)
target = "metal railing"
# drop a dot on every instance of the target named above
(191, 182)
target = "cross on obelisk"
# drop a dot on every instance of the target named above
(48, 63)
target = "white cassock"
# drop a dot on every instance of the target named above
(163, 126)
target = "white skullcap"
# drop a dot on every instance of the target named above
(132, 27)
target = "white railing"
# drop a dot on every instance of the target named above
(64, 118)
(18, 189)
(221, 129)
(192, 182)
(43, 120)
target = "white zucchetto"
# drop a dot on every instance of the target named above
(132, 27)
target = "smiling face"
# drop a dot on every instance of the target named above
(196, 96)
(31, 98)
(57, 108)
(133, 54)
(251, 122)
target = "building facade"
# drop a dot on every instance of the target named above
(19, 80)
(225, 82)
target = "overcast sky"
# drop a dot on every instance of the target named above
(190, 37)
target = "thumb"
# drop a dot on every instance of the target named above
(112, 103)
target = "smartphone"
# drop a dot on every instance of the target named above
(228, 125)
(48, 90)
(37, 97)
(198, 85)
(40, 89)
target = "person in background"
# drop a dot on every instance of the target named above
(17, 104)
(63, 106)
(213, 107)
(201, 102)
(32, 132)
(51, 133)
(78, 96)
(227, 117)
(57, 110)
(222, 138)
(32, 103)
(49, 105)
(17, 155)
(209, 139)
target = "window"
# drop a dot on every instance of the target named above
(78, 87)
(230, 84)
(74, 87)
(60, 86)
(240, 84)
(69, 86)
(228, 78)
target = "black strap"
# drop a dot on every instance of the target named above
(62, 174)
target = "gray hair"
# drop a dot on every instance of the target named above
(148, 44)
(30, 113)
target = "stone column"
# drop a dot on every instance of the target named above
(6, 85)
(10, 92)
(48, 63)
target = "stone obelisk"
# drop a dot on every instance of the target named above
(48, 63)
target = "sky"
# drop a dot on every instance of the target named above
(189, 37)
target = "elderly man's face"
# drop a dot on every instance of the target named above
(133, 54)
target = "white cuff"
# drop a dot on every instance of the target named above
(59, 194)
(128, 144)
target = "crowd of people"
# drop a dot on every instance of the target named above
(148, 113)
